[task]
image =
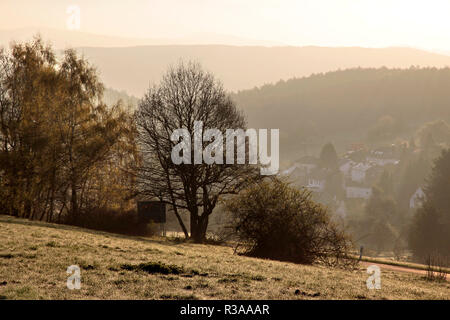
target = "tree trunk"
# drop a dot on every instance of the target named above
(27, 202)
(74, 202)
(180, 221)
(52, 205)
(199, 225)
(193, 224)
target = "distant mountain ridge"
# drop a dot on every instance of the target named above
(243, 67)
(133, 64)
(62, 39)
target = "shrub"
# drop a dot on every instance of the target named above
(277, 221)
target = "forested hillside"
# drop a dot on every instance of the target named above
(356, 105)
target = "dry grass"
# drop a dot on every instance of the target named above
(34, 257)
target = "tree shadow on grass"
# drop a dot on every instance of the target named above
(24, 222)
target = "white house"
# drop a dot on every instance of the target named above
(382, 158)
(382, 161)
(346, 167)
(417, 198)
(358, 192)
(358, 172)
(301, 168)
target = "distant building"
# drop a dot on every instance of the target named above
(360, 168)
(345, 166)
(383, 162)
(416, 199)
(303, 167)
(384, 156)
(381, 158)
(358, 172)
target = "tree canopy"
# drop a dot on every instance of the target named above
(58, 140)
(187, 94)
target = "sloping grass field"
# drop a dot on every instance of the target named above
(34, 258)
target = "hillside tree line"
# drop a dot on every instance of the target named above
(61, 147)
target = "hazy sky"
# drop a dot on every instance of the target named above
(376, 23)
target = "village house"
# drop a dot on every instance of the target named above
(382, 158)
(345, 166)
(358, 172)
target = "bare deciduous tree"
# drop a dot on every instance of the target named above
(187, 94)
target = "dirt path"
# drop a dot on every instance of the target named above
(396, 268)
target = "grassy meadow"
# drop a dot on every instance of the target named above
(34, 257)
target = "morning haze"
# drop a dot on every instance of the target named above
(134, 141)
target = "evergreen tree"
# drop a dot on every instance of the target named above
(328, 157)
(429, 229)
